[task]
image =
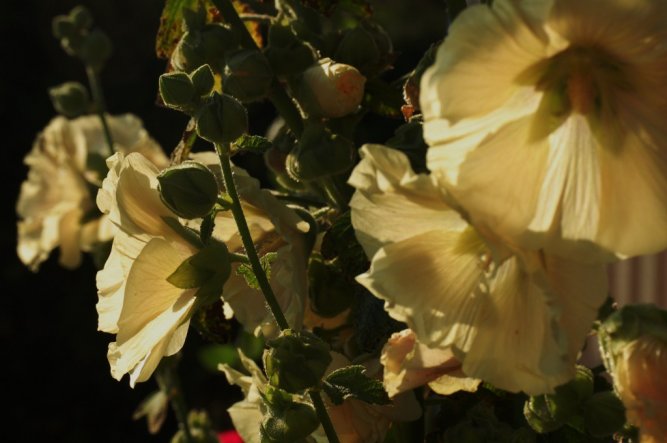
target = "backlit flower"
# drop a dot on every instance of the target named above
(149, 315)
(545, 121)
(55, 205)
(517, 321)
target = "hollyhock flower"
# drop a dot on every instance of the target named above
(55, 205)
(545, 121)
(149, 315)
(517, 321)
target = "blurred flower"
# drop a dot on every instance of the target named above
(545, 121)
(634, 344)
(149, 315)
(513, 318)
(55, 205)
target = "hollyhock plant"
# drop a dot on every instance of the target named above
(56, 206)
(545, 121)
(517, 321)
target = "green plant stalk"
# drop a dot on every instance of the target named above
(167, 379)
(100, 105)
(283, 103)
(322, 414)
(244, 232)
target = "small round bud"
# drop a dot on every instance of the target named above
(296, 422)
(319, 153)
(207, 46)
(62, 27)
(203, 80)
(331, 89)
(222, 119)
(288, 54)
(296, 360)
(70, 99)
(358, 48)
(190, 189)
(176, 90)
(95, 49)
(247, 76)
(81, 17)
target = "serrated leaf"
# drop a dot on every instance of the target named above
(170, 30)
(245, 270)
(351, 382)
(253, 143)
(206, 227)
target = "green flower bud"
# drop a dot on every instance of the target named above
(319, 154)
(81, 17)
(95, 49)
(331, 89)
(358, 48)
(296, 422)
(70, 99)
(208, 46)
(62, 27)
(328, 291)
(203, 80)
(288, 54)
(538, 415)
(247, 76)
(190, 189)
(176, 90)
(222, 119)
(296, 360)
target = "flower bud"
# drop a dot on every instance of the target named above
(288, 54)
(331, 89)
(203, 80)
(189, 189)
(296, 360)
(296, 422)
(176, 90)
(604, 414)
(222, 119)
(538, 415)
(319, 154)
(81, 17)
(329, 292)
(208, 46)
(358, 48)
(95, 49)
(70, 99)
(247, 76)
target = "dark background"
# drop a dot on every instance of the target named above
(54, 374)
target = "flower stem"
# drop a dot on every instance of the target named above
(167, 379)
(244, 232)
(100, 105)
(321, 411)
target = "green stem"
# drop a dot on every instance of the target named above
(321, 411)
(167, 379)
(278, 96)
(244, 232)
(100, 105)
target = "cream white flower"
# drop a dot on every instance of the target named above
(149, 316)
(55, 206)
(545, 121)
(334, 89)
(517, 322)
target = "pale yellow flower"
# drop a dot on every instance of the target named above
(55, 206)
(517, 322)
(149, 316)
(545, 121)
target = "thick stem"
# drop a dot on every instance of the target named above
(100, 105)
(244, 232)
(167, 379)
(321, 411)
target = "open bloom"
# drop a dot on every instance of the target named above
(149, 315)
(517, 321)
(545, 121)
(55, 206)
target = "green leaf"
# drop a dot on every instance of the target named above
(188, 276)
(351, 382)
(170, 29)
(245, 270)
(253, 143)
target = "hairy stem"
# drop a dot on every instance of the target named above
(321, 411)
(100, 105)
(167, 379)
